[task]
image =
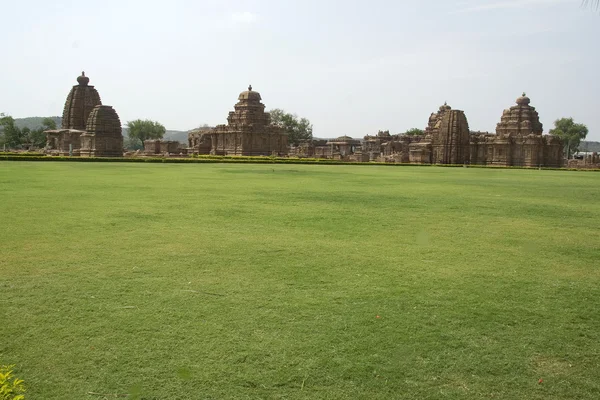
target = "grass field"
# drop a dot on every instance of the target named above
(299, 282)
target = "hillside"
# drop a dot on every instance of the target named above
(34, 122)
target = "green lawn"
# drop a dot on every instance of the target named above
(219, 281)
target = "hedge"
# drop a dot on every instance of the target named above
(250, 160)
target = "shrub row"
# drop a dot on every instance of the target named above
(250, 160)
(8, 153)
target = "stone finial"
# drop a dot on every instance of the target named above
(83, 80)
(249, 88)
(523, 100)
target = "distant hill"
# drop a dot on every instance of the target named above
(180, 136)
(34, 122)
(589, 146)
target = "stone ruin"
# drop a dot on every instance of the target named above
(585, 160)
(88, 128)
(162, 147)
(200, 141)
(248, 132)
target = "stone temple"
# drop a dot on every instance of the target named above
(88, 127)
(248, 132)
(102, 136)
(450, 136)
(518, 140)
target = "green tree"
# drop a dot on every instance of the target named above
(145, 129)
(571, 133)
(132, 144)
(414, 132)
(15, 137)
(297, 129)
(12, 136)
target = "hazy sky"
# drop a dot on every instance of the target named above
(351, 67)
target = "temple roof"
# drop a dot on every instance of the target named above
(445, 106)
(521, 119)
(250, 95)
(83, 80)
(343, 140)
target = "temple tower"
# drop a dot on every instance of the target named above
(518, 138)
(103, 137)
(520, 120)
(450, 139)
(81, 100)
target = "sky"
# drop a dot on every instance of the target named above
(350, 67)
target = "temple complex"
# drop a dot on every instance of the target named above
(248, 132)
(88, 128)
(518, 141)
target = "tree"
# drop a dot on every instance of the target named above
(570, 132)
(145, 129)
(36, 137)
(15, 137)
(12, 135)
(593, 4)
(414, 132)
(48, 124)
(297, 129)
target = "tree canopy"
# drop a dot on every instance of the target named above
(414, 132)
(571, 133)
(593, 4)
(298, 129)
(145, 129)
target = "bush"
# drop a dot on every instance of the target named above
(10, 386)
(22, 154)
(252, 160)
